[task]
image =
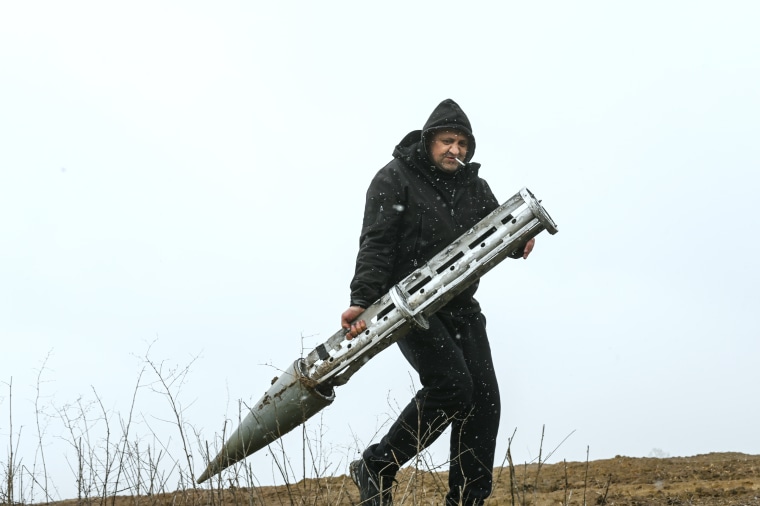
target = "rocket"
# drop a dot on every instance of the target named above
(308, 384)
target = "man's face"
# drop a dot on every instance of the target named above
(447, 147)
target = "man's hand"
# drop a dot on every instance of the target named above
(350, 315)
(529, 247)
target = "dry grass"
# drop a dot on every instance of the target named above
(721, 479)
(112, 466)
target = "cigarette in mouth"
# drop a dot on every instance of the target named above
(460, 162)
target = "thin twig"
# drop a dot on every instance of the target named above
(585, 478)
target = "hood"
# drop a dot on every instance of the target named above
(447, 115)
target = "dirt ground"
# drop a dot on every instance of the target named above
(712, 479)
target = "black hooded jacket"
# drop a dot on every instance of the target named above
(414, 210)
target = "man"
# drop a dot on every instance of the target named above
(427, 196)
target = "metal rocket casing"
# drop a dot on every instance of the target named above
(292, 399)
(308, 384)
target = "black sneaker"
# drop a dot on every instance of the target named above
(374, 489)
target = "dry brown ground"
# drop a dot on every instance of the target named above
(713, 479)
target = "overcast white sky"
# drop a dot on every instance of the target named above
(192, 175)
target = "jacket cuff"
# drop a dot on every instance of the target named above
(359, 302)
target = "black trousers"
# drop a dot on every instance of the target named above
(459, 389)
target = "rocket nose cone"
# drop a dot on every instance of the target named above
(288, 403)
(203, 477)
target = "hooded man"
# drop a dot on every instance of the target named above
(420, 202)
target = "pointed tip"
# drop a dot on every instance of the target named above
(203, 477)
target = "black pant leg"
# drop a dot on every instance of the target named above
(446, 390)
(459, 388)
(473, 433)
